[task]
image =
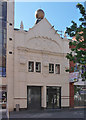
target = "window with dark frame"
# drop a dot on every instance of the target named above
(38, 67)
(51, 68)
(31, 66)
(57, 68)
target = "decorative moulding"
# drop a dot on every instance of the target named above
(24, 49)
(21, 26)
(47, 38)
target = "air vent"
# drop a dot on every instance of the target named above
(10, 52)
(10, 24)
(10, 39)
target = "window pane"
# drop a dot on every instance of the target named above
(3, 37)
(38, 67)
(57, 68)
(0, 71)
(51, 68)
(31, 66)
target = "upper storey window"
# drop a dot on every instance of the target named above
(51, 68)
(57, 68)
(31, 66)
(38, 67)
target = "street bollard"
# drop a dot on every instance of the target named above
(17, 107)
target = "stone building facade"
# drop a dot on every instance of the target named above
(35, 66)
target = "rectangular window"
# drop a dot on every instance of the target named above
(57, 68)
(31, 66)
(38, 67)
(51, 68)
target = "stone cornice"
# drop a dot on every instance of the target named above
(40, 51)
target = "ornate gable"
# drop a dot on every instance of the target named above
(43, 37)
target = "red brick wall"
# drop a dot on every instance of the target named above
(71, 94)
(71, 85)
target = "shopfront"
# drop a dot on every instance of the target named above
(53, 97)
(79, 95)
(3, 96)
(33, 97)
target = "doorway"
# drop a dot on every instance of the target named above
(53, 97)
(33, 97)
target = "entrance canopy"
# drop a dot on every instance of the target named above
(80, 82)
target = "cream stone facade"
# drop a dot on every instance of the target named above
(41, 44)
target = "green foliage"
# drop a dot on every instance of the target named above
(78, 47)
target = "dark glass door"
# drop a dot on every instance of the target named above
(34, 97)
(53, 97)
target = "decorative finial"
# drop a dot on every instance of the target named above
(21, 26)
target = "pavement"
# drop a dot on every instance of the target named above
(64, 114)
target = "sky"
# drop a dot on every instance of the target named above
(59, 14)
